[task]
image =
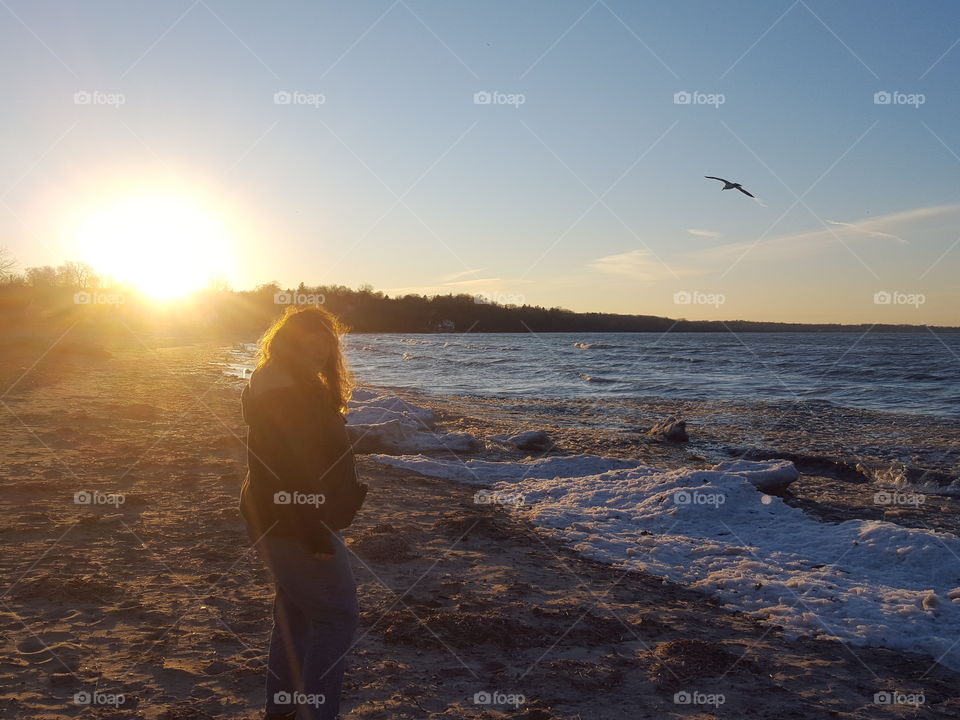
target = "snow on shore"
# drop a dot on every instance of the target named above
(389, 422)
(865, 582)
(487, 472)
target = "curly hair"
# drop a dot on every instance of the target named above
(279, 344)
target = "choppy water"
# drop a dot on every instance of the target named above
(902, 372)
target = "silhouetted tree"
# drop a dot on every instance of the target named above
(74, 274)
(42, 277)
(7, 265)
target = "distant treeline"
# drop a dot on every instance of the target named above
(367, 310)
(72, 292)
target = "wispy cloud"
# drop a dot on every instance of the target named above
(456, 276)
(448, 284)
(711, 234)
(477, 282)
(893, 226)
(864, 228)
(641, 266)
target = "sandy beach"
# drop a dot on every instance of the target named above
(619, 340)
(129, 589)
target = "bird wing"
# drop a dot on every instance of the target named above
(711, 177)
(745, 192)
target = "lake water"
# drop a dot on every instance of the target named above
(902, 372)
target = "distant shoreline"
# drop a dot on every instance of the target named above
(811, 329)
(367, 311)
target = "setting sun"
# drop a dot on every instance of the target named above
(163, 245)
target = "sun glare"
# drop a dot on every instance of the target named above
(164, 246)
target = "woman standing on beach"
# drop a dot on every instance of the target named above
(301, 488)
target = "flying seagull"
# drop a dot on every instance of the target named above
(727, 185)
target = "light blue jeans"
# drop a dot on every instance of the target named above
(315, 615)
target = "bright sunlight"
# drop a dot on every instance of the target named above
(163, 245)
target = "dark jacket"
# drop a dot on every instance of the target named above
(298, 452)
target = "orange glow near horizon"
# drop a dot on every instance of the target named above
(164, 245)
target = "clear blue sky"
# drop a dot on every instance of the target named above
(500, 199)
